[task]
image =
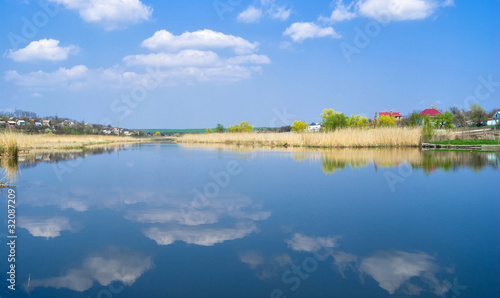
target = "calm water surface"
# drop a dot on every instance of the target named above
(184, 221)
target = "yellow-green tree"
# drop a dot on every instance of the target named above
(209, 130)
(157, 134)
(331, 120)
(299, 126)
(386, 121)
(242, 127)
(363, 122)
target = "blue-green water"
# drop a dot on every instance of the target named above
(182, 221)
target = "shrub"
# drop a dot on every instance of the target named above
(386, 121)
(157, 134)
(299, 126)
(219, 128)
(331, 120)
(242, 127)
(427, 129)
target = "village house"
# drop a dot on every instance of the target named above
(38, 123)
(315, 127)
(11, 123)
(495, 120)
(21, 122)
(396, 115)
(3, 123)
(430, 112)
(46, 122)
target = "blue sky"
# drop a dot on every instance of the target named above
(193, 64)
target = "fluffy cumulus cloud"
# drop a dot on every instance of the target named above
(201, 40)
(393, 270)
(204, 236)
(299, 32)
(45, 227)
(398, 10)
(43, 49)
(111, 14)
(250, 15)
(191, 57)
(114, 264)
(386, 10)
(269, 8)
(341, 13)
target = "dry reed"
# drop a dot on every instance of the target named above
(344, 138)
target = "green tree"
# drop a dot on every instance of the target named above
(353, 121)
(386, 121)
(331, 120)
(242, 127)
(299, 126)
(459, 119)
(209, 130)
(219, 128)
(363, 122)
(427, 129)
(415, 119)
(157, 134)
(477, 114)
(443, 120)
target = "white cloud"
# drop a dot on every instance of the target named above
(63, 77)
(397, 10)
(250, 15)
(268, 8)
(393, 270)
(300, 242)
(112, 14)
(114, 264)
(299, 32)
(280, 13)
(45, 227)
(204, 236)
(341, 13)
(44, 49)
(204, 39)
(249, 59)
(252, 259)
(183, 58)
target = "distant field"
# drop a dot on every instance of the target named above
(184, 131)
(194, 130)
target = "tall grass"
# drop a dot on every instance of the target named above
(8, 145)
(53, 142)
(344, 138)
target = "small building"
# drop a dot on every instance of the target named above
(396, 115)
(315, 127)
(37, 123)
(11, 123)
(495, 120)
(46, 122)
(21, 122)
(3, 123)
(430, 112)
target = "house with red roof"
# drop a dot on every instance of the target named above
(430, 112)
(396, 115)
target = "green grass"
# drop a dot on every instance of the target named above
(467, 142)
(464, 150)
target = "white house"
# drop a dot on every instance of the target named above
(494, 120)
(46, 122)
(38, 123)
(21, 122)
(315, 127)
(12, 123)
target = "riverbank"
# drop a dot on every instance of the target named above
(344, 138)
(18, 144)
